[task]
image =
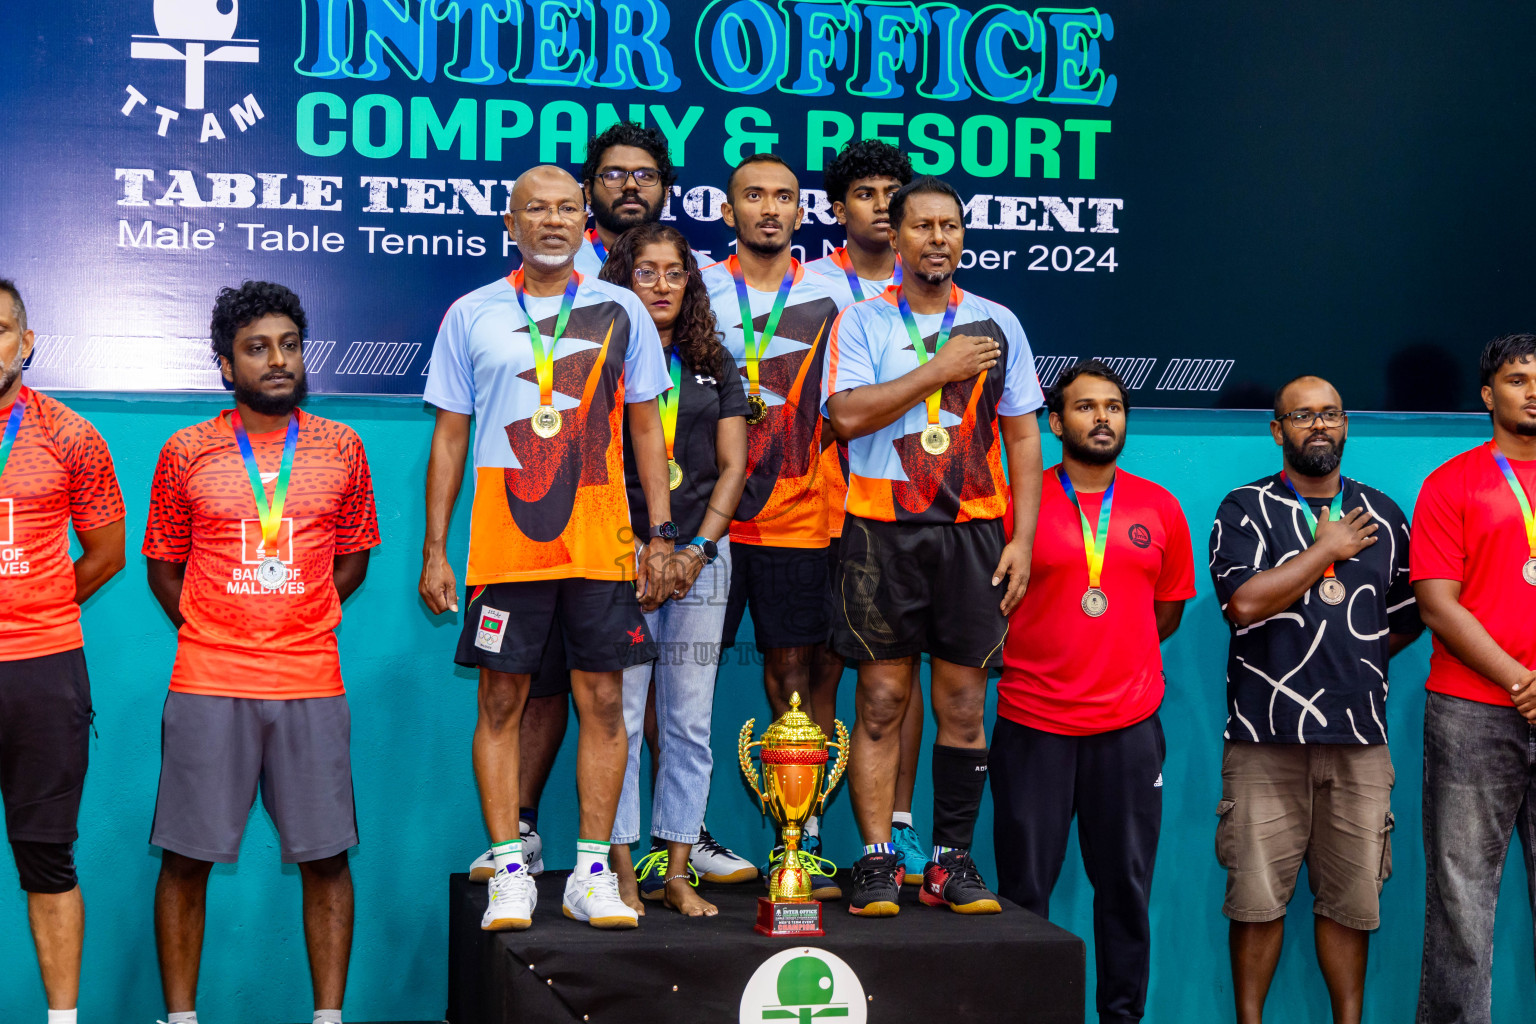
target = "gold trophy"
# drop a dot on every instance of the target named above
(794, 758)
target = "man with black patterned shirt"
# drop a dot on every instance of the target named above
(1311, 571)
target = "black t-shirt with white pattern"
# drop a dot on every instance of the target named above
(1313, 673)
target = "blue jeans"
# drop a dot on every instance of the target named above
(1479, 785)
(687, 635)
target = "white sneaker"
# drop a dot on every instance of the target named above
(533, 857)
(513, 896)
(595, 900)
(717, 864)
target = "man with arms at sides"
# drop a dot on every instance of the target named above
(544, 361)
(625, 182)
(1474, 570)
(1311, 572)
(860, 181)
(260, 525)
(1077, 732)
(928, 385)
(703, 416)
(779, 540)
(55, 471)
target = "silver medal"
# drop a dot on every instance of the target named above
(1529, 571)
(1095, 602)
(272, 574)
(1330, 591)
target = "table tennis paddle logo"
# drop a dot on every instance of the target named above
(803, 985)
(201, 35)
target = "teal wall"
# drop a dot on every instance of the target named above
(416, 800)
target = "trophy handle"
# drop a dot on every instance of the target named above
(744, 746)
(836, 774)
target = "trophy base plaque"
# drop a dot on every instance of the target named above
(788, 920)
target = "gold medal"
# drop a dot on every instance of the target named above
(674, 474)
(757, 409)
(1330, 591)
(1529, 571)
(1095, 602)
(546, 422)
(935, 440)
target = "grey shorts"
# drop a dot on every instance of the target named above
(215, 752)
(1327, 804)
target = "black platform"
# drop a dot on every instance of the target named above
(925, 964)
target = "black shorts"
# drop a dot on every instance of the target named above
(507, 626)
(553, 679)
(45, 730)
(785, 589)
(906, 588)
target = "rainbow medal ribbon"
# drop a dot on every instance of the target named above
(669, 404)
(1331, 590)
(597, 245)
(272, 574)
(546, 421)
(1095, 601)
(12, 428)
(935, 439)
(755, 346)
(1528, 571)
(855, 282)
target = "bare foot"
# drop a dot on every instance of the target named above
(629, 892)
(682, 898)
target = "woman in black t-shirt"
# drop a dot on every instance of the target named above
(703, 416)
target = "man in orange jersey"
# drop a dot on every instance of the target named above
(55, 471)
(260, 524)
(550, 364)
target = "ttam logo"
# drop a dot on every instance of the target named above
(803, 985)
(197, 33)
(1141, 536)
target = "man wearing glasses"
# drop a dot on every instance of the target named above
(1311, 572)
(625, 180)
(546, 360)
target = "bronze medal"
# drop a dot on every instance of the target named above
(757, 409)
(1331, 591)
(546, 422)
(935, 440)
(1095, 602)
(674, 474)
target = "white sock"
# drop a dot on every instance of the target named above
(591, 856)
(61, 1016)
(812, 826)
(506, 856)
(183, 1017)
(901, 818)
(327, 1017)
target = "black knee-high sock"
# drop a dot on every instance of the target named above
(959, 776)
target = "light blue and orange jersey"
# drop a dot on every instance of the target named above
(548, 507)
(783, 503)
(890, 477)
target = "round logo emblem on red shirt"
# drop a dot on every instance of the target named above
(1141, 536)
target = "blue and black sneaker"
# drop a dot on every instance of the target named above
(651, 873)
(911, 852)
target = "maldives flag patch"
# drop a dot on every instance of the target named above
(492, 629)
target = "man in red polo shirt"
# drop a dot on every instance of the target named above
(1077, 730)
(1474, 573)
(55, 471)
(260, 525)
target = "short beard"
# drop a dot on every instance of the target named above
(1089, 455)
(11, 374)
(274, 405)
(936, 277)
(1312, 463)
(764, 248)
(617, 224)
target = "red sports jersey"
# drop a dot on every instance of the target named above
(1467, 527)
(59, 472)
(1067, 673)
(240, 640)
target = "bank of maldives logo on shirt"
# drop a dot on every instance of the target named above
(802, 985)
(200, 34)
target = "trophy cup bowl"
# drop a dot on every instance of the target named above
(793, 754)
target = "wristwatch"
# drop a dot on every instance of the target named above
(665, 531)
(707, 549)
